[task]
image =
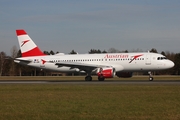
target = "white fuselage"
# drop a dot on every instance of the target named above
(120, 61)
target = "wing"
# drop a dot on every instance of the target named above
(81, 66)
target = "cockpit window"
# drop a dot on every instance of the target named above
(161, 58)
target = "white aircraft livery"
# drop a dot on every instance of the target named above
(103, 65)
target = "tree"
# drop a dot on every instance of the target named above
(51, 52)
(104, 51)
(2, 62)
(46, 52)
(113, 50)
(18, 67)
(153, 50)
(126, 51)
(14, 53)
(73, 52)
(163, 53)
(19, 54)
(92, 51)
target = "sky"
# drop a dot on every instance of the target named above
(81, 25)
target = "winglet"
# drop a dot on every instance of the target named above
(27, 46)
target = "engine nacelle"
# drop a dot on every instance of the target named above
(106, 72)
(124, 74)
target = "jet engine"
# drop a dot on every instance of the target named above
(106, 72)
(124, 74)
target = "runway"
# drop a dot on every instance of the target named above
(78, 82)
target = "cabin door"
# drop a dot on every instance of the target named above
(148, 59)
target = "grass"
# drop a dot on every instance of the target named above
(89, 102)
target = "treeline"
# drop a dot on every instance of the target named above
(9, 68)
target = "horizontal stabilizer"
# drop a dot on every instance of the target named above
(17, 60)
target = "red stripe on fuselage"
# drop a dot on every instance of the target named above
(34, 52)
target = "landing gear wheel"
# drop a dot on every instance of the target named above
(101, 78)
(88, 78)
(151, 78)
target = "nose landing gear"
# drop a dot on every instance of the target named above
(150, 76)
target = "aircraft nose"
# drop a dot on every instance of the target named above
(170, 64)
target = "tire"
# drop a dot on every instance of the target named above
(101, 78)
(151, 78)
(88, 78)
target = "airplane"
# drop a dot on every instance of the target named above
(105, 65)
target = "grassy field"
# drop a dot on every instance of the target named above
(89, 102)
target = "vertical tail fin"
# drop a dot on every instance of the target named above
(27, 46)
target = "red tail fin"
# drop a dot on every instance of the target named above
(27, 46)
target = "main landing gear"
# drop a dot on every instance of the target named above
(150, 76)
(101, 78)
(88, 78)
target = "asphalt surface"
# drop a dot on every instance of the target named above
(77, 82)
